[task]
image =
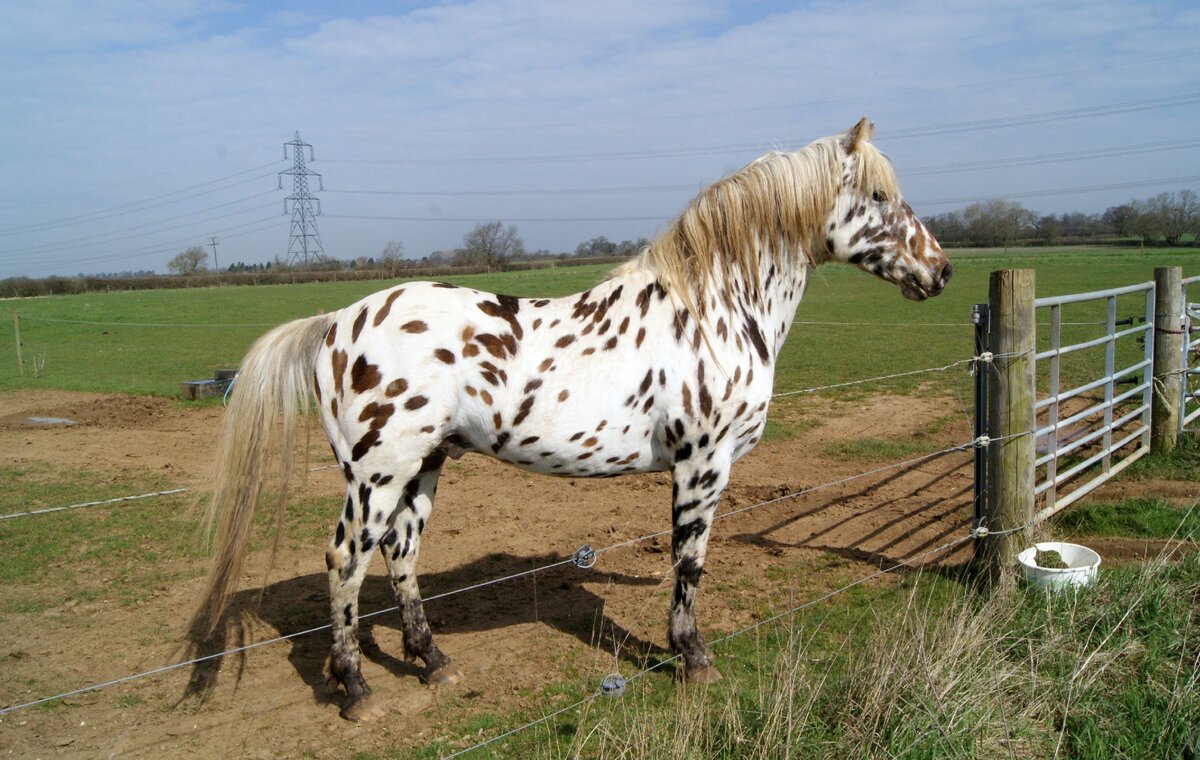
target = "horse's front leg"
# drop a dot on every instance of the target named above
(400, 547)
(699, 475)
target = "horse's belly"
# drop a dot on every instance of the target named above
(573, 441)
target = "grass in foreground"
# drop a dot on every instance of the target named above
(925, 668)
(1181, 464)
(1131, 518)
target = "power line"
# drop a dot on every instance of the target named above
(1045, 158)
(629, 118)
(1062, 190)
(664, 217)
(169, 246)
(999, 122)
(89, 240)
(128, 208)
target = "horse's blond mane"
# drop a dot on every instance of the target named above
(774, 206)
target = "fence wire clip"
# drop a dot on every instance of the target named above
(979, 532)
(584, 557)
(983, 358)
(613, 685)
(982, 442)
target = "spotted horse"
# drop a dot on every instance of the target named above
(666, 365)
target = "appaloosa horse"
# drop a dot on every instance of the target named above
(666, 365)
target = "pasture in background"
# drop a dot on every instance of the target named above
(817, 685)
(147, 342)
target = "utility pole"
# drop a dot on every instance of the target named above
(213, 242)
(304, 245)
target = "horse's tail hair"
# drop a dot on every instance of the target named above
(274, 387)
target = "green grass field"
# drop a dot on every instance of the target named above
(121, 352)
(918, 667)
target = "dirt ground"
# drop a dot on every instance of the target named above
(509, 639)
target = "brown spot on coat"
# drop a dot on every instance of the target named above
(563, 396)
(506, 308)
(444, 355)
(564, 341)
(364, 376)
(415, 327)
(396, 387)
(331, 335)
(340, 360)
(416, 402)
(646, 382)
(526, 408)
(387, 306)
(493, 345)
(641, 335)
(359, 321)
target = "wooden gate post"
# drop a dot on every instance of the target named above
(1168, 358)
(1011, 419)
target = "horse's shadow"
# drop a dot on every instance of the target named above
(300, 605)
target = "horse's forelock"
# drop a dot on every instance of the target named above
(873, 173)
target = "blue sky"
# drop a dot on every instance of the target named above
(132, 130)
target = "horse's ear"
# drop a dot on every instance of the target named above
(858, 134)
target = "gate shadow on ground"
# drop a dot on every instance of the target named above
(870, 546)
(554, 598)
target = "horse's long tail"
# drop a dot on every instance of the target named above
(273, 388)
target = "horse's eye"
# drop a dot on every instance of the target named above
(878, 197)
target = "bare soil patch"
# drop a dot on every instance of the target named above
(509, 639)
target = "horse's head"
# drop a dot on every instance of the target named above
(872, 227)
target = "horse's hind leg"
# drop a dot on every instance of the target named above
(370, 499)
(400, 547)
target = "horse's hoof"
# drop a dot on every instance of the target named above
(446, 675)
(707, 674)
(364, 708)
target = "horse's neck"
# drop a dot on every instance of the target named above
(773, 303)
(768, 304)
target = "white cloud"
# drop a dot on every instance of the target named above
(107, 103)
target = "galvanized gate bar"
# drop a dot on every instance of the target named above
(1104, 429)
(1189, 380)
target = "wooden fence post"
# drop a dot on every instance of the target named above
(1168, 358)
(1011, 418)
(17, 333)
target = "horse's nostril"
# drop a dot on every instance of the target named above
(946, 273)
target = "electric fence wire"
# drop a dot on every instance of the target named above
(600, 691)
(574, 559)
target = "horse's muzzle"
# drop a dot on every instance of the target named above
(914, 289)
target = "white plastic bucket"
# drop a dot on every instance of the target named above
(1082, 565)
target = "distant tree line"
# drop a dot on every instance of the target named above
(1170, 219)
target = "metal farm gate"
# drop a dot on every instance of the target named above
(1070, 390)
(1114, 431)
(1189, 387)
